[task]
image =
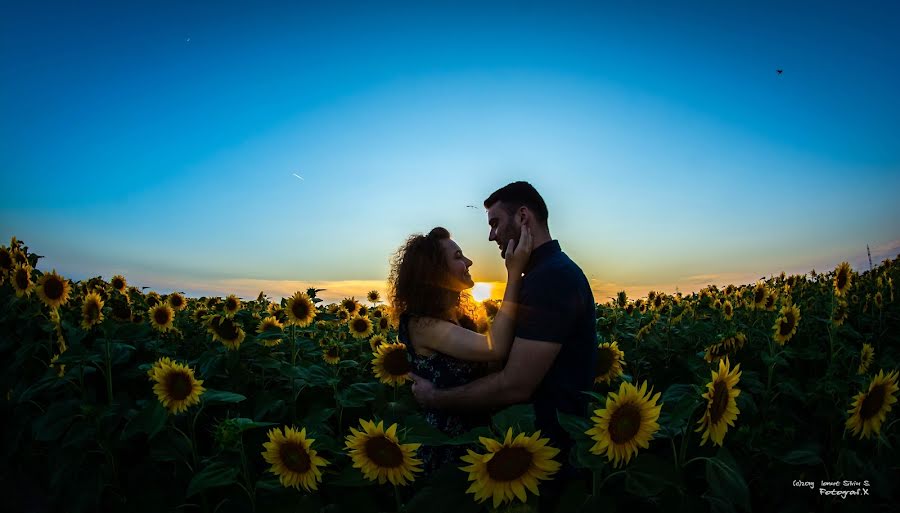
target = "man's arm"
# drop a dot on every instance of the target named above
(529, 361)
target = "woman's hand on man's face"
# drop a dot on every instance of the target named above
(517, 254)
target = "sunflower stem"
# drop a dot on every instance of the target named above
(397, 499)
(246, 472)
(109, 389)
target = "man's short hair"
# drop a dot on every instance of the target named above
(519, 194)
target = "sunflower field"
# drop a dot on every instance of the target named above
(769, 396)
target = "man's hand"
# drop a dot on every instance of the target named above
(423, 390)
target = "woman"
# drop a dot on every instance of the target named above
(429, 277)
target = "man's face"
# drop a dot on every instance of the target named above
(503, 226)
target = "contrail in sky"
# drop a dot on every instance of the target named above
(298, 176)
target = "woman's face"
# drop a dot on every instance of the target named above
(458, 265)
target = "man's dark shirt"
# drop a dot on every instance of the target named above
(556, 305)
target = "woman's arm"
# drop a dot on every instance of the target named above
(448, 338)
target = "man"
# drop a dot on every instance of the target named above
(554, 352)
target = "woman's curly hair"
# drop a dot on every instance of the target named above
(419, 283)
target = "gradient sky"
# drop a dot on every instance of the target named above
(160, 139)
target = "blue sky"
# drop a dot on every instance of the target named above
(159, 139)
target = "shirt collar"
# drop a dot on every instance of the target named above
(542, 253)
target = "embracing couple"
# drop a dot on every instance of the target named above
(540, 349)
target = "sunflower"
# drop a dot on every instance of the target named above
(786, 326)
(342, 314)
(21, 280)
(350, 305)
(658, 300)
(842, 279)
(727, 310)
(390, 364)
(840, 313)
(629, 308)
(177, 301)
(869, 409)
(373, 296)
(360, 327)
(293, 459)
(91, 310)
(376, 341)
(770, 301)
(721, 407)
(509, 467)
(300, 310)
(226, 331)
(53, 289)
(879, 300)
(162, 317)
(176, 388)
(270, 324)
(628, 422)
(379, 454)
(621, 299)
(651, 296)
(866, 357)
(6, 261)
(332, 354)
(152, 299)
(384, 324)
(231, 306)
(158, 365)
(120, 307)
(118, 283)
(610, 360)
(199, 314)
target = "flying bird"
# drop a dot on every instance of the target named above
(471, 206)
(779, 71)
(298, 176)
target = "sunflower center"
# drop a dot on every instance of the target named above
(21, 279)
(359, 325)
(383, 452)
(300, 309)
(759, 295)
(509, 463)
(118, 284)
(625, 423)
(295, 457)
(5, 260)
(604, 362)
(53, 288)
(161, 316)
(226, 329)
(396, 363)
(719, 402)
(873, 402)
(230, 305)
(176, 301)
(91, 310)
(841, 280)
(333, 352)
(787, 324)
(179, 385)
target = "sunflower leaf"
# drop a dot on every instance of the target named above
(150, 420)
(648, 475)
(725, 480)
(215, 475)
(519, 417)
(221, 396)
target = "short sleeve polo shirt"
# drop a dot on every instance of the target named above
(556, 305)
